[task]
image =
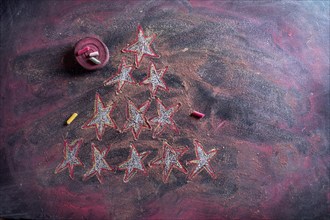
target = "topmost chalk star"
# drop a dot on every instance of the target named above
(141, 47)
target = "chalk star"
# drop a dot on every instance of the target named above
(170, 160)
(133, 164)
(124, 75)
(165, 117)
(101, 118)
(155, 79)
(99, 164)
(203, 160)
(70, 157)
(141, 47)
(136, 119)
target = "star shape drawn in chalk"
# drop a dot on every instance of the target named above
(71, 159)
(155, 79)
(101, 118)
(136, 119)
(133, 164)
(141, 46)
(202, 161)
(169, 160)
(124, 75)
(99, 164)
(164, 118)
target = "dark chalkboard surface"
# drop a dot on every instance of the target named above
(258, 70)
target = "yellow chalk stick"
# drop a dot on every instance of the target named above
(72, 117)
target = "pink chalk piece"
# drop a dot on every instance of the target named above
(197, 114)
(82, 51)
(88, 46)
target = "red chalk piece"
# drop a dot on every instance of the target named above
(89, 45)
(197, 114)
(82, 51)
